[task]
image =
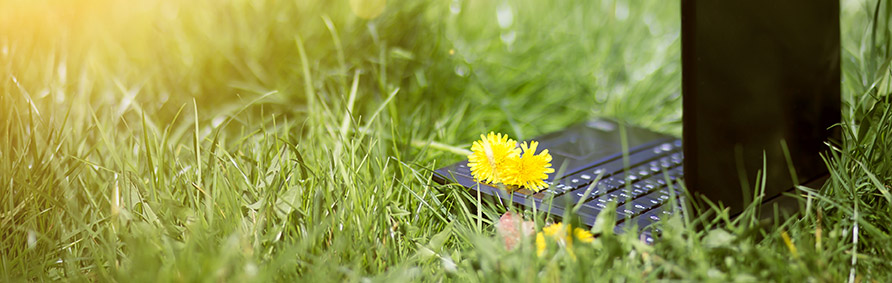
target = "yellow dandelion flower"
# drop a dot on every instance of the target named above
(530, 170)
(489, 156)
(562, 236)
(553, 229)
(583, 235)
(540, 244)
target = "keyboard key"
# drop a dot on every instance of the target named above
(578, 194)
(665, 210)
(626, 213)
(612, 196)
(602, 188)
(571, 198)
(618, 181)
(648, 238)
(674, 173)
(654, 217)
(645, 203)
(677, 171)
(653, 183)
(591, 209)
(650, 200)
(571, 185)
(644, 220)
(676, 158)
(650, 186)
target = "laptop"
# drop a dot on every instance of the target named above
(761, 95)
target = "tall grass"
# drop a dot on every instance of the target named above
(257, 140)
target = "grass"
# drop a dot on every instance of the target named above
(277, 141)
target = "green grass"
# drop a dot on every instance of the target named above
(274, 141)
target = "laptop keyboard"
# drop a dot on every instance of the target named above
(639, 192)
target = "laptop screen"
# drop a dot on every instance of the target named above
(755, 75)
(594, 141)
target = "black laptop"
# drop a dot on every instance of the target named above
(761, 95)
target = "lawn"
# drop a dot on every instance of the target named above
(253, 140)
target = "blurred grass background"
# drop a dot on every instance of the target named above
(254, 140)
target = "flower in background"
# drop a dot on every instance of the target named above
(513, 228)
(562, 235)
(489, 156)
(530, 170)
